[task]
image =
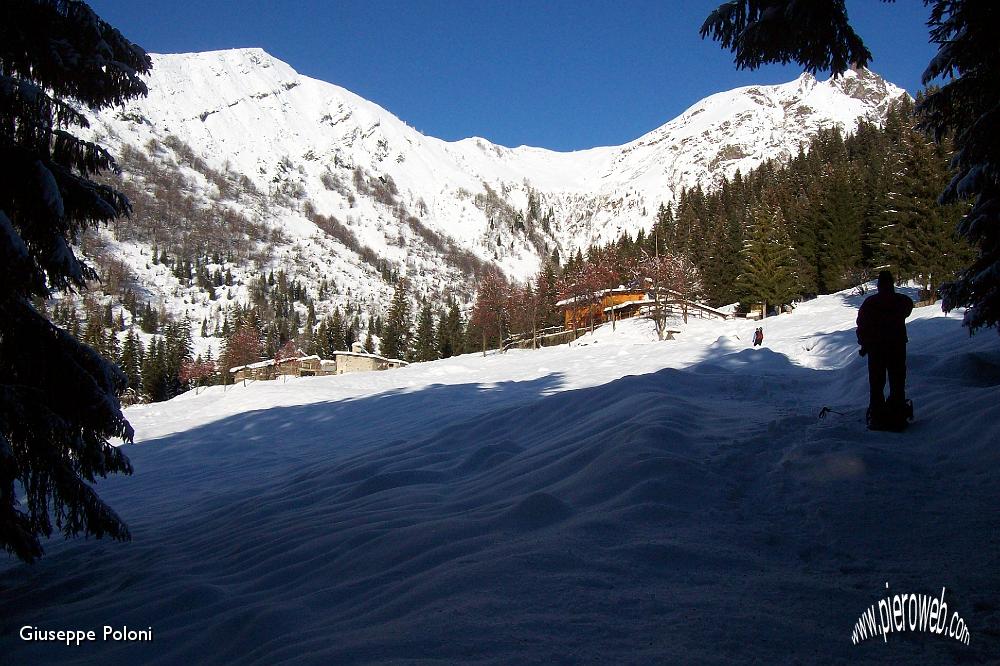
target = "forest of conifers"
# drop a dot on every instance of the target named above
(835, 214)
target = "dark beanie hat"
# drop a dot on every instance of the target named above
(885, 281)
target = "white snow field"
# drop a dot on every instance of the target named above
(622, 500)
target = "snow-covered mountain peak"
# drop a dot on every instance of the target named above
(740, 128)
(214, 77)
(359, 195)
(240, 97)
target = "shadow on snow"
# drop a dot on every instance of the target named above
(703, 513)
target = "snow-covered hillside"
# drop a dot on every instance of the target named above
(621, 500)
(424, 205)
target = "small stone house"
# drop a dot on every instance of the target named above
(342, 362)
(261, 370)
(358, 360)
(314, 366)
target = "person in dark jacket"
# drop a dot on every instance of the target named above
(882, 336)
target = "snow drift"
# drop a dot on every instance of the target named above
(621, 500)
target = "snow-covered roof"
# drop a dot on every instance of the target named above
(649, 301)
(374, 356)
(729, 309)
(360, 354)
(253, 366)
(603, 292)
(272, 361)
(709, 308)
(666, 290)
(641, 301)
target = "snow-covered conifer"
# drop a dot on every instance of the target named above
(395, 338)
(56, 417)
(819, 37)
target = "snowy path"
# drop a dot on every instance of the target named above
(623, 501)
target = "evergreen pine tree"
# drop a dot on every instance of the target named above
(425, 346)
(818, 36)
(149, 319)
(839, 233)
(395, 338)
(153, 384)
(450, 332)
(768, 275)
(548, 295)
(112, 349)
(93, 330)
(335, 338)
(310, 325)
(74, 324)
(131, 360)
(805, 235)
(663, 232)
(965, 108)
(177, 348)
(446, 348)
(55, 419)
(320, 341)
(720, 264)
(917, 234)
(350, 336)
(353, 332)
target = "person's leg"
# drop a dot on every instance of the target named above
(876, 382)
(896, 368)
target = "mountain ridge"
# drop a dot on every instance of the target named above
(342, 180)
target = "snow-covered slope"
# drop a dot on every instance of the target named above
(245, 112)
(622, 500)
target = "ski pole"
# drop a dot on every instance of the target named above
(826, 410)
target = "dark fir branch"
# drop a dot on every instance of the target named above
(59, 407)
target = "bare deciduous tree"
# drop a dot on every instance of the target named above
(490, 313)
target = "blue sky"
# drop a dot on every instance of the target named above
(560, 74)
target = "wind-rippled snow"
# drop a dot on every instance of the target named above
(622, 500)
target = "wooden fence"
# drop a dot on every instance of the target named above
(545, 337)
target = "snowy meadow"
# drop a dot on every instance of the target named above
(618, 500)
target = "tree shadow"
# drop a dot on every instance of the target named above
(855, 299)
(443, 522)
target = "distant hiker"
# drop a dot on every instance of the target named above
(758, 337)
(882, 336)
